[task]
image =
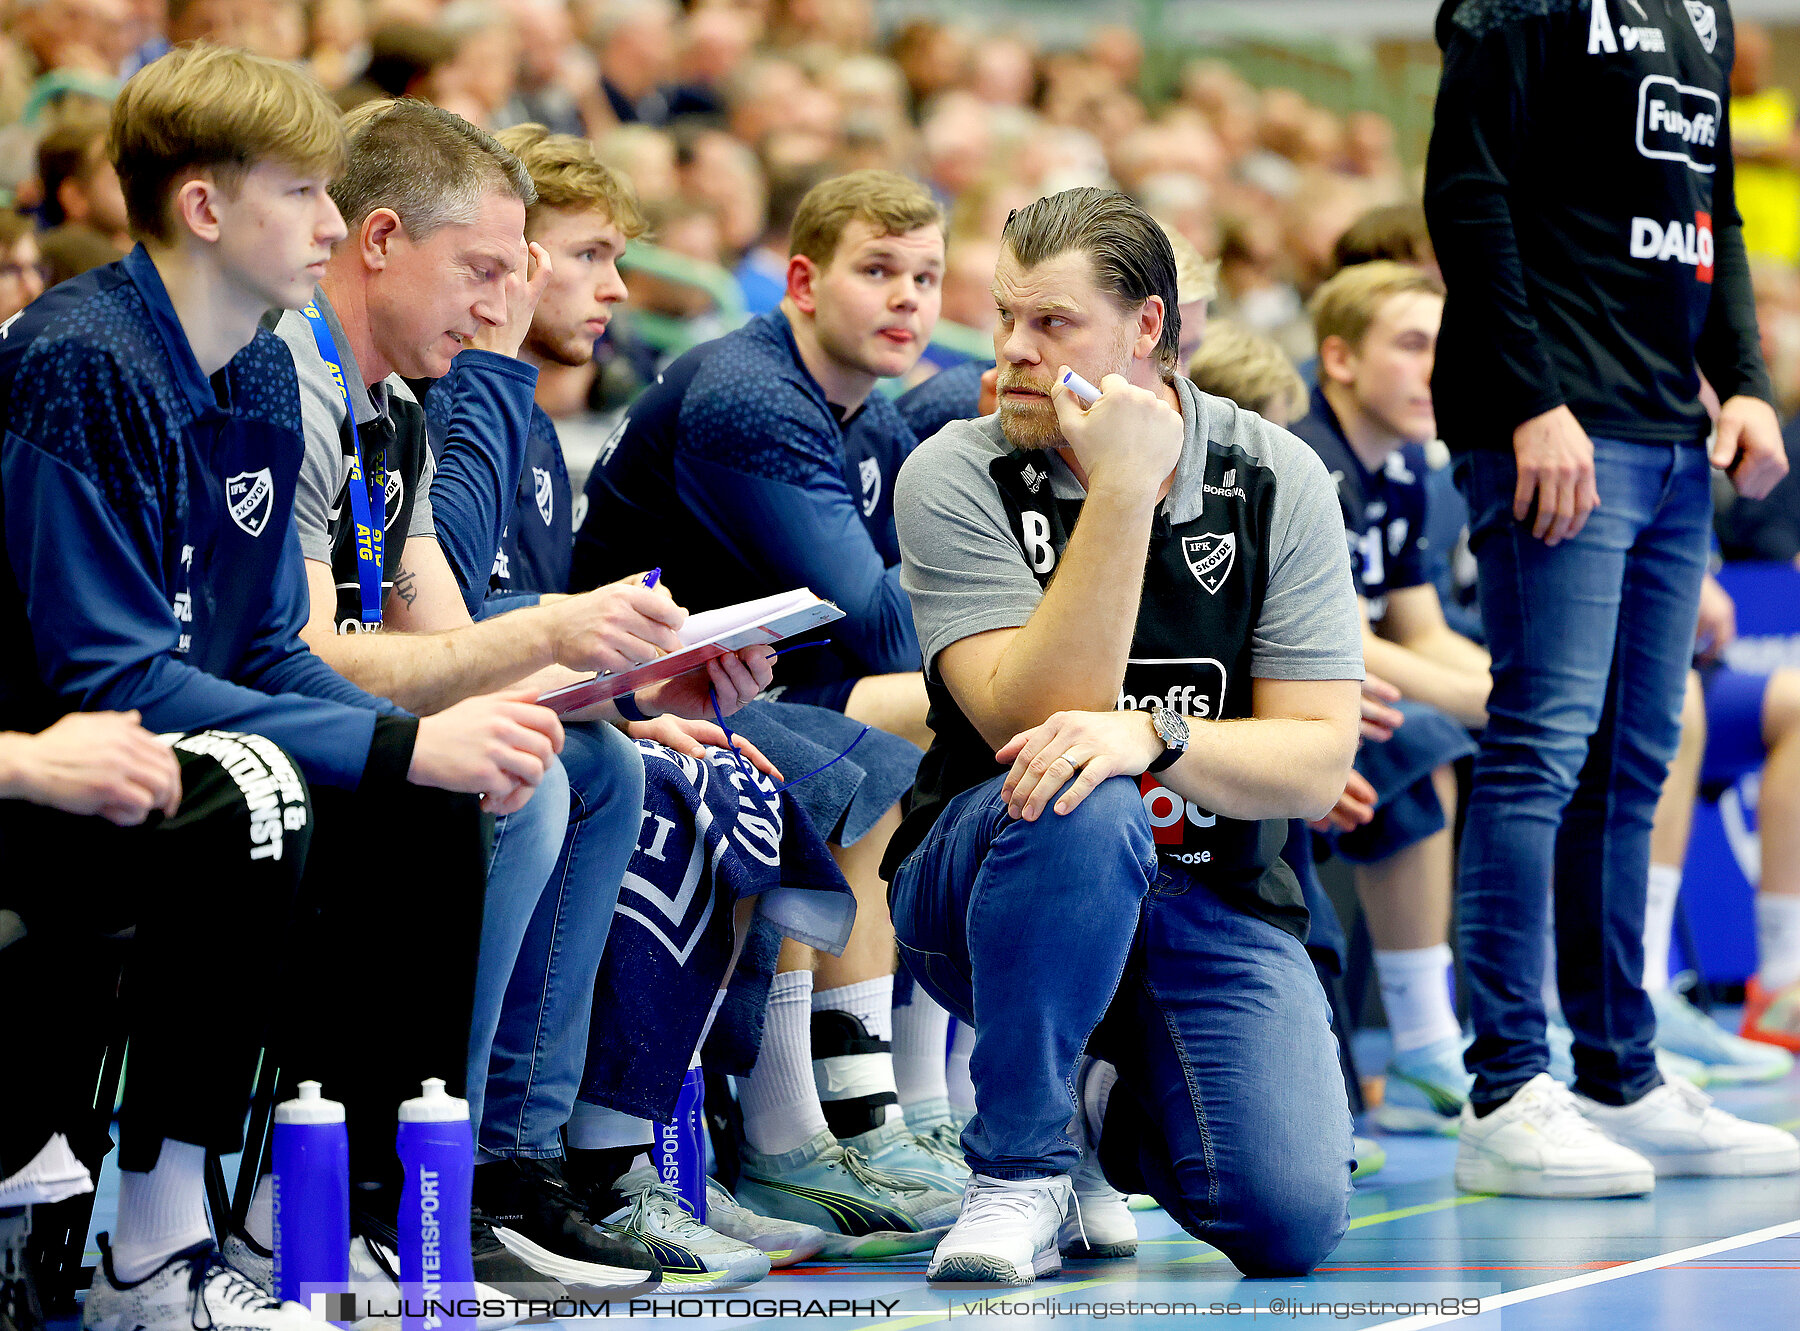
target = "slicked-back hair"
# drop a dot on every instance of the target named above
(222, 111)
(1131, 256)
(429, 166)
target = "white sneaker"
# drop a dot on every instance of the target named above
(1678, 1131)
(783, 1242)
(257, 1263)
(694, 1257)
(196, 1287)
(1538, 1144)
(1006, 1234)
(1099, 1223)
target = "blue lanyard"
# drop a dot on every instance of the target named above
(369, 533)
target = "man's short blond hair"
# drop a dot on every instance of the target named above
(221, 111)
(1347, 304)
(887, 200)
(570, 176)
(1235, 362)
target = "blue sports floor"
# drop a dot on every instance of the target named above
(1698, 1254)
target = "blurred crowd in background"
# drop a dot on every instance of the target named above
(724, 112)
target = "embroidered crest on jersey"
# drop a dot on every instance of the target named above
(546, 497)
(1210, 557)
(1706, 23)
(390, 499)
(870, 473)
(1032, 477)
(250, 497)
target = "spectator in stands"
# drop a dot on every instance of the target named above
(1765, 143)
(1395, 232)
(478, 80)
(186, 605)
(558, 81)
(438, 211)
(1581, 435)
(1111, 908)
(83, 206)
(635, 41)
(1371, 415)
(724, 176)
(762, 272)
(22, 272)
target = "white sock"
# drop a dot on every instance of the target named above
(260, 1223)
(1777, 940)
(1659, 923)
(921, 1040)
(872, 1003)
(779, 1100)
(160, 1212)
(956, 1069)
(597, 1128)
(1415, 991)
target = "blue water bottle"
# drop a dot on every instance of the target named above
(310, 1191)
(437, 1153)
(681, 1146)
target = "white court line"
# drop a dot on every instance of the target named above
(1587, 1278)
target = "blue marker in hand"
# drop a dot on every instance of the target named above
(651, 577)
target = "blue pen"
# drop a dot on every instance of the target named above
(651, 577)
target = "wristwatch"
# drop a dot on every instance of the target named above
(1172, 729)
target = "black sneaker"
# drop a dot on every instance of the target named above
(540, 1221)
(499, 1280)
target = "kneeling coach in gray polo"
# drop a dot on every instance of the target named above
(1143, 655)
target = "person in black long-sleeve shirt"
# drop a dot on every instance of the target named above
(1579, 193)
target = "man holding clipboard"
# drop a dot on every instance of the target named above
(436, 265)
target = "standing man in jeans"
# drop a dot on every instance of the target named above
(1579, 192)
(1144, 610)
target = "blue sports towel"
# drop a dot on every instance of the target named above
(714, 832)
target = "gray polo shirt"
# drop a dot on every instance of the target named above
(385, 412)
(967, 572)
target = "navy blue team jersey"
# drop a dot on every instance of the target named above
(736, 477)
(1384, 510)
(150, 557)
(503, 511)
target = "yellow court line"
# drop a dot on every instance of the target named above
(1361, 1222)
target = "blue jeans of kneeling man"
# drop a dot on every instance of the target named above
(1229, 1109)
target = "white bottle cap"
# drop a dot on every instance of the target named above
(309, 1106)
(434, 1106)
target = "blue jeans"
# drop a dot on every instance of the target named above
(1591, 641)
(1229, 1108)
(541, 943)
